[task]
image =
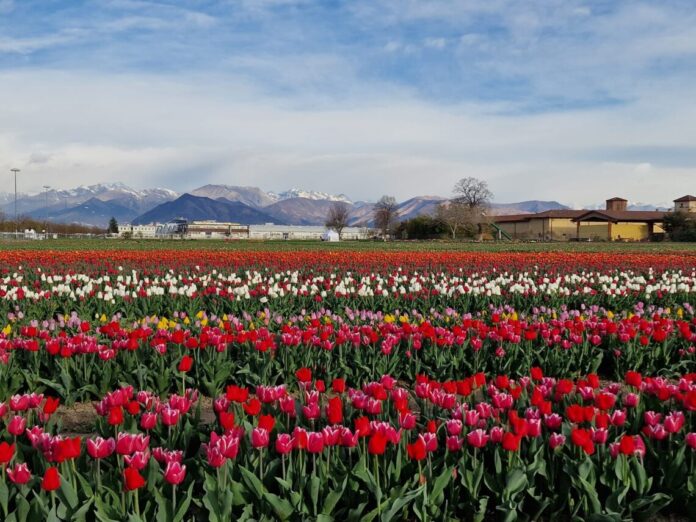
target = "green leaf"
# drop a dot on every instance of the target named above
(314, 485)
(67, 494)
(281, 507)
(440, 484)
(399, 503)
(252, 482)
(332, 499)
(4, 497)
(515, 482)
(184, 505)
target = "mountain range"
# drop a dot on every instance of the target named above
(96, 204)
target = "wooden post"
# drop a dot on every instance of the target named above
(577, 233)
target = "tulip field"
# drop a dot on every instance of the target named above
(347, 385)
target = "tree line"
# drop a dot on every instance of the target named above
(27, 223)
(466, 213)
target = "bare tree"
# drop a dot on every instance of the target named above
(385, 215)
(337, 218)
(454, 215)
(473, 192)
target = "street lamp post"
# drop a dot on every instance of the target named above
(15, 201)
(46, 187)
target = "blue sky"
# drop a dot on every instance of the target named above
(558, 99)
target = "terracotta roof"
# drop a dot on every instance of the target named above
(560, 214)
(684, 199)
(621, 215)
(617, 199)
(547, 214)
(512, 218)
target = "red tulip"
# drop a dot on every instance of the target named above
(252, 407)
(511, 442)
(185, 364)
(226, 420)
(338, 385)
(633, 379)
(377, 444)
(132, 479)
(51, 480)
(6, 452)
(334, 410)
(51, 405)
(362, 426)
(416, 451)
(115, 416)
(627, 445)
(133, 407)
(304, 375)
(267, 422)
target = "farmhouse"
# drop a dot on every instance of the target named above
(614, 223)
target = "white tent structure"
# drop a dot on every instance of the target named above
(331, 236)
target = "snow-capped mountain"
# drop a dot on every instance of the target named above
(67, 205)
(252, 196)
(308, 194)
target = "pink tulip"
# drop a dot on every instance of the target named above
(315, 442)
(652, 418)
(497, 434)
(454, 443)
(556, 440)
(259, 438)
(17, 425)
(477, 438)
(618, 418)
(348, 438)
(170, 416)
(553, 421)
(407, 421)
(148, 421)
(138, 460)
(471, 417)
(19, 474)
(454, 427)
(283, 443)
(174, 473)
(631, 400)
(99, 448)
(690, 440)
(674, 421)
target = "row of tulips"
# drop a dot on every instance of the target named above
(164, 260)
(476, 447)
(44, 293)
(78, 359)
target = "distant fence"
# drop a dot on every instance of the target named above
(40, 236)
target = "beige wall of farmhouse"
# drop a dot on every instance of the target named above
(555, 229)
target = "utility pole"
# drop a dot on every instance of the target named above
(15, 170)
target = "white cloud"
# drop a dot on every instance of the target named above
(435, 43)
(145, 130)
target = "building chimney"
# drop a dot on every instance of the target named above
(619, 204)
